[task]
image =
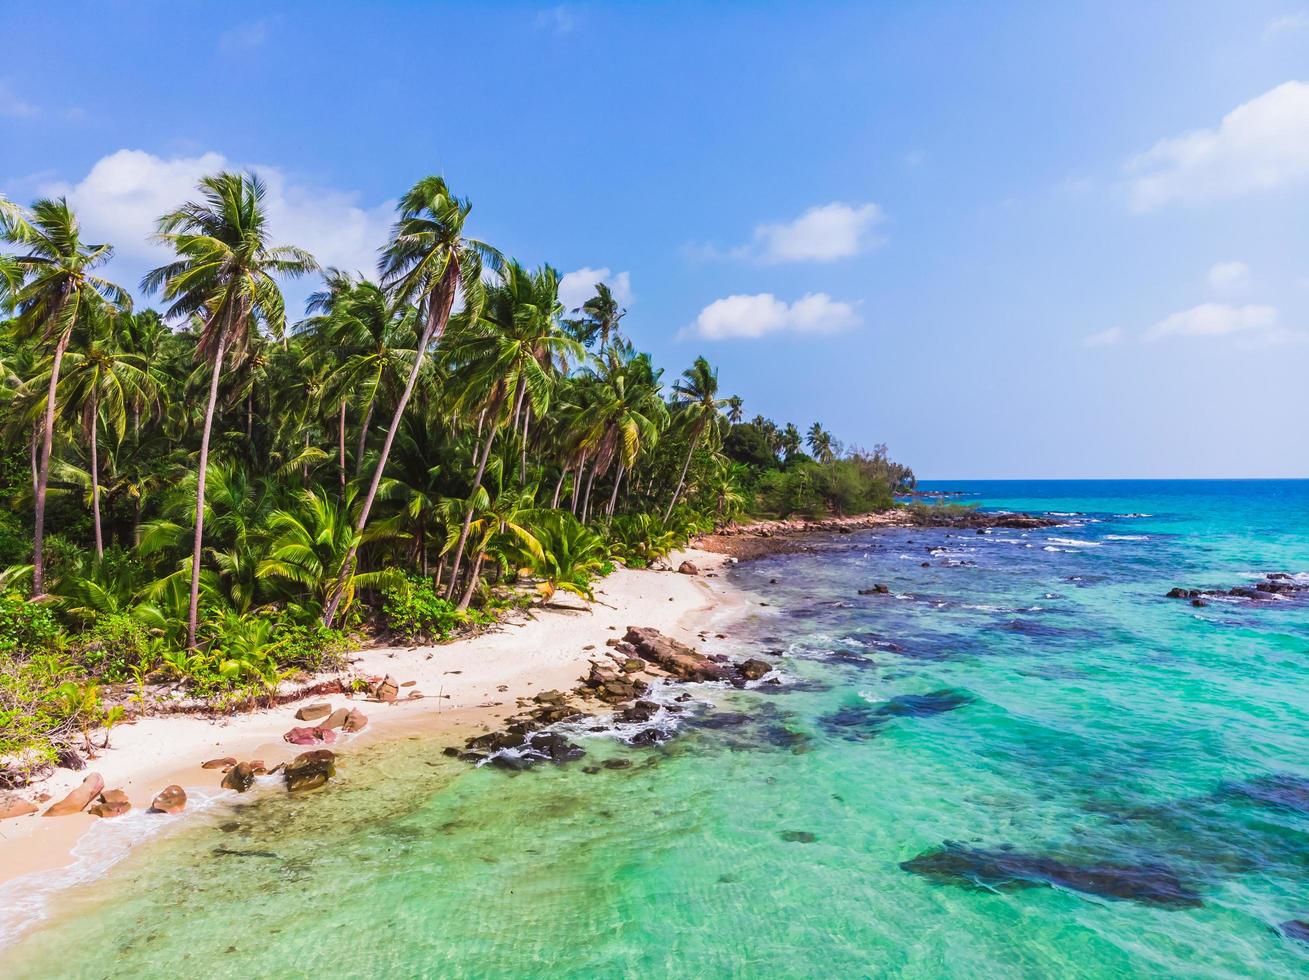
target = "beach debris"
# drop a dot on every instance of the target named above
(225, 763)
(387, 689)
(171, 799)
(240, 777)
(13, 805)
(310, 736)
(112, 803)
(688, 568)
(355, 721)
(309, 770)
(1003, 870)
(79, 799)
(312, 712)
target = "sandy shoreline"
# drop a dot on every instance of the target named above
(468, 686)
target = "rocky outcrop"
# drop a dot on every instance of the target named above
(1273, 586)
(309, 770)
(112, 803)
(310, 736)
(675, 657)
(753, 670)
(12, 805)
(170, 799)
(79, 799)
(355, 721)
(240, 777)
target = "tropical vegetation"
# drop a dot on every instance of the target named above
(204, 500)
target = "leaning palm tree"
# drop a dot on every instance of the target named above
(57, 291)
(427, 262)
(224, 275)
(697, 394)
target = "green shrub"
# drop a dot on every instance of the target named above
(413, 611)
(118, 648)
(43, 702)
(27, 628)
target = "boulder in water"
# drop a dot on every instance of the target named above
(171, 799)
(240, 777)
(753, 670)
(309, 770)
(79, 799)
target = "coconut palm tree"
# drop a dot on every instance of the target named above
(735, 409)
(510, 355)
(820, 443)
(427, 262)
(599, 321)
(696, 394)
(58, 289)
(226, 275)
(790, 441)
(102, 382)
(626, 414)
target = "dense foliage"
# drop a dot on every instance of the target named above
(215, 495)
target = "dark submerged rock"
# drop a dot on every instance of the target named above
(955, 864)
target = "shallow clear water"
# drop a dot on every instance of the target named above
(1068, 717)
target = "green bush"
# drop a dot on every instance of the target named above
(27, 628)
(118, 648)
(43, 702)
(413, 611)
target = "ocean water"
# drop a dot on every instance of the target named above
(1022, 761)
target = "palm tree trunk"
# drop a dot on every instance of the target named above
(43, 467)
(438, 313)
(613, 497)
(250, 412)
(363, 436)
(340, 447)
(95, 478)
(563, 475)
(522, 466)
(472, 581)
(576, 495)
(681, 480)
(193, 612)
(468, 517)
(586, 501)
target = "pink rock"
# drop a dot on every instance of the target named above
(310, 736)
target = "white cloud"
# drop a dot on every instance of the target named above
(1288, 23)
(124, 194)
(560, 19)
(749, 317)
(1229, 276)
(244, 37)
(13, 107)
(822, 234)
(1220, 320)
(1260, 145)
(576, 287)
(1105, 338)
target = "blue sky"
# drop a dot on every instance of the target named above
(1010, 240)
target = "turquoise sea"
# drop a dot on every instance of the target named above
(1022, 761)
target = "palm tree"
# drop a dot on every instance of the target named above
(790, 441)
(696, 393)
(735, 409)
(58, 289)
(103, 380)
(225, 274)
(427, 262)
(820, 441)
(600, 317)
(511, 355)
(626, 415)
